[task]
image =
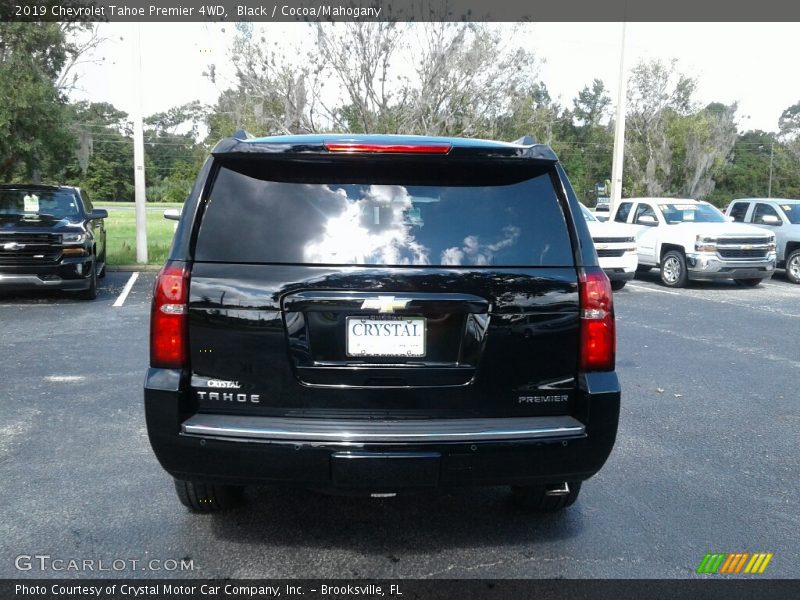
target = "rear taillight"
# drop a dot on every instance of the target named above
(358, 147)
(598, 336)
(168, 344)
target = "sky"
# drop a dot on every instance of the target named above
(748, 63)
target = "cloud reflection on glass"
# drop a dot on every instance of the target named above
(376, 228)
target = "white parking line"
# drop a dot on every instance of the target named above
(126, 290)
(649, 289)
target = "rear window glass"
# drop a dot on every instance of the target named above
(383, 216)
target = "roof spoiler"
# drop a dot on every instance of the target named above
(525, 140)
(242, 144)
(241, 134)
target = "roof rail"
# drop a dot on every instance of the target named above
(241, 134)
(525, 140)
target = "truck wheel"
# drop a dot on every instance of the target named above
(207, 497)
(535, 498)
(748, 282)
(618, 285)
(793, 267)
(90, 293)
(673, 269)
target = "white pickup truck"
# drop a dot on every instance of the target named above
(690, 239)
(616, 249)
(779, 216)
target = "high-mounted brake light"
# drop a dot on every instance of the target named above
(357, 147)
(168, 331)
(598, 335)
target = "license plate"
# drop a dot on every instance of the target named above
(369, 336)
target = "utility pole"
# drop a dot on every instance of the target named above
(138, 149)
(771, 156)
(619, 132)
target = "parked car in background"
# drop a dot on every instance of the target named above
(601, 208)
(381, 314)
(616, 249)
(51, 238)
(780, 217)
(603, 204)
(692, 240)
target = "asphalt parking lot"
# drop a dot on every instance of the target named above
(706, 458)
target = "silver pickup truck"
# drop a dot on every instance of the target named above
(782, 218)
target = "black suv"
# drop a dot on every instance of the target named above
(50, 237)
(380, 314)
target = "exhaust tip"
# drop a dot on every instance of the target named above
(557, 489)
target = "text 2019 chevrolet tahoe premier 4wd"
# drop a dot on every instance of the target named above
(380, 314)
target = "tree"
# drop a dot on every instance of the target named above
(172, 155)
(789, 129)
(534, 114)
(656, 91)
(104, 162)
(468, 77)
(702, 144)
(588, 140)
(359, 57)
(273, 92)
(80, 41)
(429, 78)
(747, 174)
(592, 105)
(34, 132)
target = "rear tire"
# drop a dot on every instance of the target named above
(534, 497)
(207, 497)
(793, 266)
(618, 285)
(90, 293)
(748, 282)
(673, 269)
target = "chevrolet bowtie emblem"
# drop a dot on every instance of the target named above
(385, 304)
(13, 246)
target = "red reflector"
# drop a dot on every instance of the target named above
(598, 335)
(168, 345)
(355, 147)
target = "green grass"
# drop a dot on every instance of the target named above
(121, 235)
(150, 205)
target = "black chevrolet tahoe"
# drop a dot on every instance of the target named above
(50, 238)
(381, 314)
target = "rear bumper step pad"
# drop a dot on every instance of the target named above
(252, 428)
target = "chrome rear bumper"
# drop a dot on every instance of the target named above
(250, 428)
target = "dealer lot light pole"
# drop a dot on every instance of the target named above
(771, 158)
(619, 133)
(138, 150)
